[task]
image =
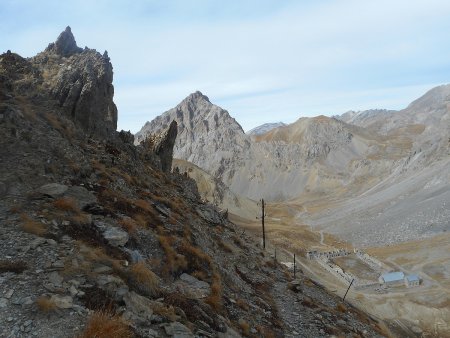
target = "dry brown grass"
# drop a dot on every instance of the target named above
(202, 275)
(225, 246)
(215, 298)
(242, 304)
(31, 226)
(66, 204)
(97, 255)
(80, 219)
(271, 263)
(174, 261)
(15, 266)
(125, 176)
(144, 205)
(166, 311)
(244, 326)
(265, 331)
(45, 304)
(54, 121)
(145, 277)
(196, 258)
(103, 324)
(341, 308)
(128, 224)
(141, 220)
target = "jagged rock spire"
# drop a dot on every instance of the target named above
(65, 45)
(198, 96)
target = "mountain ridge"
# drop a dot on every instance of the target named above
(328, 158)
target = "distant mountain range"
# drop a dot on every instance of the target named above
(357, 156)
(264, 128)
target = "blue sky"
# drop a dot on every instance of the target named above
(263, 61)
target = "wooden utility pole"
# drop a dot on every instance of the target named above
(262, 221)
(343, 299)
(294, 266)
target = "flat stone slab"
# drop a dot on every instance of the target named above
(53, 189)
(192, 287)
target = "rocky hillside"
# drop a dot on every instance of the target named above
(99, 239)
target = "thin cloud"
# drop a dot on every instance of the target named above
(262, 60)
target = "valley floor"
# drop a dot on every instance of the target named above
(407, 312)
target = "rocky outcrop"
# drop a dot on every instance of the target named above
(162, 145)
(77, 81)
(65, 45)
(81, 81)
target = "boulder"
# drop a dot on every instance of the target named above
(210, 214)
(192, 287)
(139, 306)
(83, 196)
(178, 330)
(116, 236)
(53, 189)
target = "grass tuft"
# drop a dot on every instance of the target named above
(215, 298)
(45, 304)
(244, 326)
(104, 324)
(145, 278)
(31, 226)
(66, 204)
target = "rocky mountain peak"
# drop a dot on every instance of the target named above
(65, 45)
(196, 97)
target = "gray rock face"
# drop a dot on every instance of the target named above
(81, 81)
(65, 45)
(162, 145)
(158, 146)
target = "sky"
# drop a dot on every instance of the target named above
(262, 60)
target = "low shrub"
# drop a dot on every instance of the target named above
(104, 324)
